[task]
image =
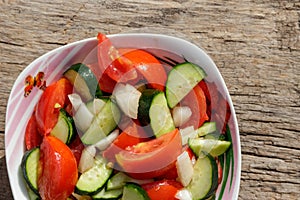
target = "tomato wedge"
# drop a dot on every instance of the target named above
(218, 108)
(76, 147)
(163, 189)
(32, 136)
(54, 97)
(132, 135)
(117, 67)
(57, 171)
(171, 172)
(196, 101)
(146, 159)
(150, 68)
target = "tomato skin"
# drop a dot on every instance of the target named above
(220, 171)
(32, 136)
(164, 189)
(46, 111)
(57, 174)
(76, 147)
(150, 68)
(171, 172)
(196, 101)
(218, 108)
(117, 67)
(146, 159)
(132, 135)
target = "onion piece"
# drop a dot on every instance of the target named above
(127, 98)
(97, 106)
(183, 194)
(87, 158)
(185, 168)
(186, 133)
(83, 118)
(181, 114)
(105, 142)
(75, 100)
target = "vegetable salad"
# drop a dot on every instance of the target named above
(133, 125)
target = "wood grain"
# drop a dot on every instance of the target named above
(256, 46)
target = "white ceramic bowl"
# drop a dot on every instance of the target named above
(55, 62)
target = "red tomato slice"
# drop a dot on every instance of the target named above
(117, 67)
(171, 173)
(106, 83)
(58, 170)
(164, 189)
(150, 68)
(220, 171)
(148, 158)
(218, 109)
(196, 101)
(76, 147)
(47, 110)
(32, 136)
(132, 135)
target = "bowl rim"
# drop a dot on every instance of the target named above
(8, 154)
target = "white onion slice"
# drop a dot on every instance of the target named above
(75, 100)
(186, 133)
(87, 159)
(127, 98)
(105, 142)
(183, 194)
(181, 114)
(185, 168)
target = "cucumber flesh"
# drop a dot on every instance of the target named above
(29, 166)
(103, 124)
(93, 180)
(207, 128)
(212, 146)
(160, 116)
(64, 128)
(117, 181)
(96, 105)
(144, 105)
(133, 191)
(120, 179)
(181, 80)
(84, 81)
(205, 178)
(108, 194)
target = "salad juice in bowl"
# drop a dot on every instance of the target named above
(125, 116)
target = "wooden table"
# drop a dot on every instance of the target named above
(256, 47)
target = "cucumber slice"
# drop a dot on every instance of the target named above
(29, 166)
(96, 105)
(205, 178)
(153, 109)
(84, 81)
(93, 180)
(144, 105)
(160, 117)
(64, 128)
(108, 194)
(117, 181)
(120, 179)
(207, 128)
(211, 146)
(103, 124)
(181, 80)
(31, 194)
(127, 98)
(133, 191)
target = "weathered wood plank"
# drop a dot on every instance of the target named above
(256, 46)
